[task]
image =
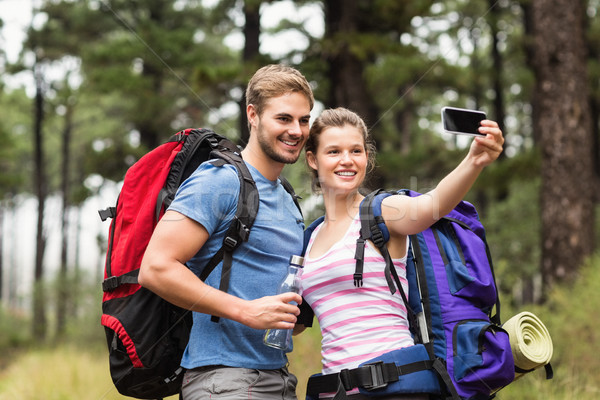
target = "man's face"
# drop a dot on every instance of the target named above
(282, 129)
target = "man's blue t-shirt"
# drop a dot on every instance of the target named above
(210, 197)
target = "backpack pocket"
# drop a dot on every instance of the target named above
(482, 358)
(145, 349)
(466, 277)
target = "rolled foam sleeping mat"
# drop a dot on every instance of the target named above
(530, 342)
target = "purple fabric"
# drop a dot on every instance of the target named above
(478, 354)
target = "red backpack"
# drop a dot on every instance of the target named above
(147, 335)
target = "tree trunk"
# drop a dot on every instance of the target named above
(498, 67)
(404, 120)
(249, 53)
(346, 69)
(62, 285)
(563, 125)
(348, 86)
(39, 297)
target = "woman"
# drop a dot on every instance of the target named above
(359, 324)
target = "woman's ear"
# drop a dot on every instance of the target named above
(311, 160)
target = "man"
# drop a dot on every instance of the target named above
(227, 360)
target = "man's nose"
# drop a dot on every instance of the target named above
(295, 129)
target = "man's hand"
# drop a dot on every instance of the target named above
(272, 312)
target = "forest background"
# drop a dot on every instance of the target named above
(94, 84)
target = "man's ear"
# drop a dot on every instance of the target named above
(252, 115)
(311, 160)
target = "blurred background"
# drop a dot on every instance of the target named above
(88, 86)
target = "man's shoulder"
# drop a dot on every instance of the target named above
(214, 174)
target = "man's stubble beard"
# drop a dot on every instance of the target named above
(270, 151)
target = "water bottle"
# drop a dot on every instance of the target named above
(282, 338)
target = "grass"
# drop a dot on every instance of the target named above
(76, 372)
(305, 360)
(61, 373)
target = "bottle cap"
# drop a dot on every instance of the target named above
(297, 260)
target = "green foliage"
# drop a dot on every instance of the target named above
(513, 224)
(423, 167)
(569, 317)
(83, 303)
(15, 159)
(14, 333)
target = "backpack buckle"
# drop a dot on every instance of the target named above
(110, 284)
(109, 212)
(377, 380)
(175, 375)
(358, 282)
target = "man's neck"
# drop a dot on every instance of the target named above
(268, 168)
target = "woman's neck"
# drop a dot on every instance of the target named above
(341, 207)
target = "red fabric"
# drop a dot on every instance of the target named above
(136, 210)
(115, 325)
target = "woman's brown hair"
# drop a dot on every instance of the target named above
(338, 117)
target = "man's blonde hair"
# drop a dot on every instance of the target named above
(275, 80)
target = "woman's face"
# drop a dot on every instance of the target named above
(340, 159)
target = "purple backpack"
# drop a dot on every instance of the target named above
(461, 351)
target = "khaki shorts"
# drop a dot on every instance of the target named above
(228, 383)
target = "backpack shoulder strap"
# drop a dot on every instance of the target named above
(308, 232)
(372, 227)
(290, 189)
(247, 208)
(306, 313)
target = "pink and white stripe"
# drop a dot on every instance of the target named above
(357, 323)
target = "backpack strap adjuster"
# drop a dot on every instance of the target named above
(110, 284)
(229, 243)
(377, 379)
(238, 232)
(377, 237)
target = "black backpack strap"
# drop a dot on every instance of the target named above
(373, 228)
(290, 189)
(197, 146)
(113, 282)
(246, 211)
(306, 313)
(439, 366)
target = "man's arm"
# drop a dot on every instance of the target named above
(178, 238)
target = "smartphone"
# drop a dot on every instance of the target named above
(461, 121)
